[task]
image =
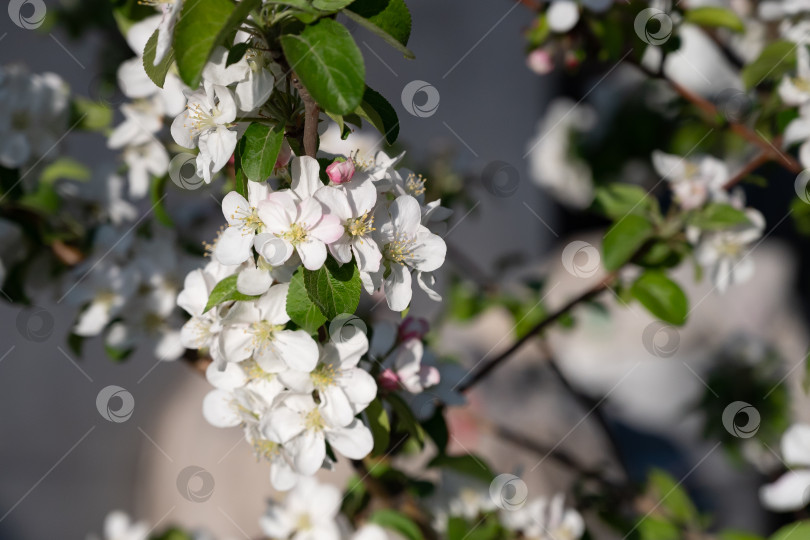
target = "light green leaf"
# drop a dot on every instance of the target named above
(618, 199)
(380, 427)
(300, 308)
(64, 168)
(330, 5)
(380, 114)
(673, 498)
(715, 17)
(718, 216)
(202, 26)
(398, 522)
(90, 115)
(329, 64)
(739, 535)
(334, 289)
(794, 531)
(373, 28)
(258, 150)
(225, 291)
(661, 296)
(624, 239)
(390, 16)
(156, 72)
(775, 60)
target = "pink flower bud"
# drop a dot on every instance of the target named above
(340, 172)
(284, 156)
(540, 61)
(389, 380)
(413, 328)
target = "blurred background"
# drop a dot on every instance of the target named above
(500, 139)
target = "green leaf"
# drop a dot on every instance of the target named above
(673, 498)
(714, 17)
(225, 291)
(157, 195)
(202, 26)
(390, 16)
(618, 199)
(794, 531)
(656, 528)
(330, 5)
(117, 355)
(436, 428)
(775, 60)
(236, 53)
(467, 464)
(739, 535)
(174, 534)
(156, 72)
(406, 422)
(373, 28)
(661, 296)
(44, 200)
(398, 522)
(90, 115)
(718, 216)
(300, 308)
(624, 239)
(64, 168)
(75, 342)
(334, 289)
(380, 427)
(329, 65)
(380, 114)
(258, 150)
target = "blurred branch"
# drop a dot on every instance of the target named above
(485, 369)
(759, 160)
(311, 114)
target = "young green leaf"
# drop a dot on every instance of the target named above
(390, 16)
(64, 168)
(718, 216)
(775, 60)
(715, 17)
(258, 150)
(618, 199)
(88, 115)
(380, 427)
(202, 26)
(380, 32)
(380, 114)
(156, 72)
(624, 239)
(330, 5)
(300, 308)
(794, 531)
(225, 291)
(334, 289)
(328, 63)
(398, 522)
(661, 296)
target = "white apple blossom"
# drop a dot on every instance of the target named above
(693, 181)
(541, 519)
(206, 123)
(257, 330)
(105, 289)
(119, 526)
(725, 253)
(355, 210)
(309, 512)
(791, 491)
(300, 424)
(236, 242)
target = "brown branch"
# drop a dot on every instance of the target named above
(484, 370)
(759, 160)
(311, 115)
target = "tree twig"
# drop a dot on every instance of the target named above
(311, 115)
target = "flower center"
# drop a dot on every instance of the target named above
(264, 333)
(296, 234)
(304, 522)
(400, 250)
(801, 84)
(730, 249)
(266, 449)
(249, 219)
(200, 118)
(323, 376)
(415, 184)
(360, 226)
(313, 420)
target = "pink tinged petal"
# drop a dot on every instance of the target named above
(335, 202)
(312, 253)
(429, 376)
(298, 349)
(236, 343)
(340, 172)
(389, 380)
(218, 409)
(309, 213)
(398, 287)
(282, 424)
(308, 452)
(235, 208)
(796, 445)
(353, 441)
(253, 281)
(272, 305)
(789, 493)
(335, 408)
(328, 229)
(230, 378)
(276, 251)
(362, 195)
(406, 215)
(359, 386)
(233, 247)
(367, 253)
(305, 177)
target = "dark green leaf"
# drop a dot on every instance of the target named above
(158, 195)
(225, 291)
(405, 420)
(117, 355)
(391, 16)
(436, 428)
(380, 427)
(331, 5)
(398, 522)
(661, 296)
(329, 64)
(380, 114)
(334, 289)
(258, 150)
(236, 53)
(715, 17)
(300, 308)
(156, 72)
(202, 26)
(75, 343)
(624, 239)
(467, 464)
